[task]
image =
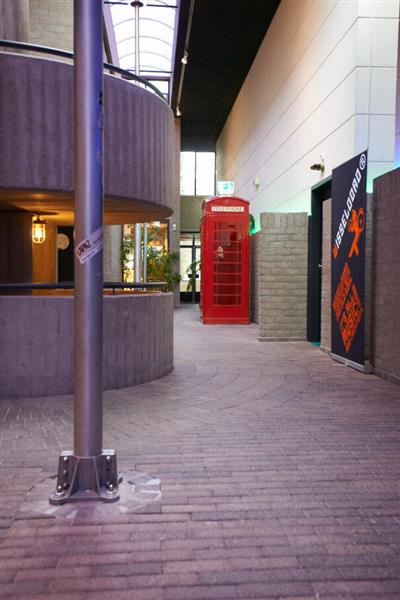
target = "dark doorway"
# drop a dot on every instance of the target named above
(65, 253)
(190, 267)
(319, 193)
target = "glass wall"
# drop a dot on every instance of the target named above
(156, 35)
(157, 235)
(190, 267)
(197, 179)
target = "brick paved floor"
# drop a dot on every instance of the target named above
(280, 478)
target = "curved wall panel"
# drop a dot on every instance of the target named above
(36, 140)
(36, 343)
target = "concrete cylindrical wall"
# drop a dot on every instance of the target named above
(36, 342)
(36, 139)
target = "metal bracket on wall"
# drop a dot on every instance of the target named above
(81, 479)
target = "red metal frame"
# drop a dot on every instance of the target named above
(225, 260)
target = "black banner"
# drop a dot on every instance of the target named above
(348, 258)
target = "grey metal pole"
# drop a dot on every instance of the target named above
(138, 229)
(88, 473)
(193, 273)
(145, 242)
(88, 429)
(137, 33)
(138, 253)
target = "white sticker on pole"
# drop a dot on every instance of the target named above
(89, 246)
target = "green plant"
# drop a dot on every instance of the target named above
(160, 267)
(192, 271)
(126, 253)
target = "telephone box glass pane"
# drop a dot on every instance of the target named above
(227, 264)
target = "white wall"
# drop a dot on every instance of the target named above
(323, 83)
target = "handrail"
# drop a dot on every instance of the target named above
(65, 54)
(114, 285)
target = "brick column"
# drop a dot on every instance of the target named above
(255, 259)
(385, 331)
(326, 321)
(283, 277)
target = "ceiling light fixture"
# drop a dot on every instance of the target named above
(38, 230)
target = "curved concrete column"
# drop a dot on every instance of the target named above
(36, 139)
(36, 342)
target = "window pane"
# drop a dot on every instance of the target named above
(187, 173)
(162, 86)
(156, 32)
(205, 173)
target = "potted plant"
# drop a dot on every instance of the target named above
(160, 267)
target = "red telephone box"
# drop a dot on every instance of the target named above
(225, 260)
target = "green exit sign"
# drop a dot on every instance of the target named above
(225, 188)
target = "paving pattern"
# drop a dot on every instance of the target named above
(279, 470)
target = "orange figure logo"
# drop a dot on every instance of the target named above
(356, 225)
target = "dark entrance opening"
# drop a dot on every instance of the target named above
(65, 254)
(319, 193)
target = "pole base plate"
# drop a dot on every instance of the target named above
(86, 479)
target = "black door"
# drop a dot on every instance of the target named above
(318, 195)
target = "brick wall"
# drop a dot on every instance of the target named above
(112, 252)
(326, 321)
(255, 245)
(283, 276)
(385, 320)
(52, 24)
(368, 276)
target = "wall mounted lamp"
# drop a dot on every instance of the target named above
(185, 57)
(178, 112)
(38, 230)
(319, 166)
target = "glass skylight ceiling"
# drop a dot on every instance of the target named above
(156, 34)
